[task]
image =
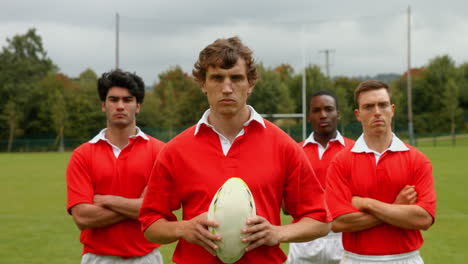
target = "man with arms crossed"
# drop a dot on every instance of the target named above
(381, 190)
(320, 147)
(231, 140)
(107, 178)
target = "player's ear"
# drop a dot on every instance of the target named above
(203, 87)
(251, 87)
(356, 113)
(138, 107)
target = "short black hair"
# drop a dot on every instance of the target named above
(324, 92)
(119, 78)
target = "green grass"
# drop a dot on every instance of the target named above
(446, 241)
(35, 228)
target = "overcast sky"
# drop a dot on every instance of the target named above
(366, 37)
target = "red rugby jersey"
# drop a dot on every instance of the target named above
(321, 165)
(191, 168)
(94, 169)
(357, 174)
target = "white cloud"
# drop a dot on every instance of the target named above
(368, 37)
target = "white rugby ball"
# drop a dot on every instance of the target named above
(232, 204)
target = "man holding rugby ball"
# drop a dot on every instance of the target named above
(232, 140)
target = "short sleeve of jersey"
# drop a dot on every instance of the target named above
(304, 195)
(79, 182)
(424, 183)
(160, 199)
(339, 194)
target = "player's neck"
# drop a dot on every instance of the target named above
(324, 139)
(119, 135)
(229, 126)
(378, 142)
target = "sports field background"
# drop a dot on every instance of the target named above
(35, 228)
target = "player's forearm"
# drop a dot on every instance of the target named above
(404, 216)
(354, 222)
(164, 232)
(92, 216)
(306, 229)
(125, 206)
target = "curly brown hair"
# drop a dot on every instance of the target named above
(224, 53)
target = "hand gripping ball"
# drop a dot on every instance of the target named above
(232, 204)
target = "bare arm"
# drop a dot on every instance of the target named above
(408, 216)
(354, 222)
(88, 215)
(262, 232)
(125, 206)
(358, 221)
(194, 231)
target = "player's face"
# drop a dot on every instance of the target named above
(120, 107)
(227, 89)
(323, 115)
(375, 111)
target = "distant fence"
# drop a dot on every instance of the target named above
(352, 130)
(441, 140)
(39, 144)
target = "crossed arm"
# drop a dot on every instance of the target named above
(402, 213)
(106, 210)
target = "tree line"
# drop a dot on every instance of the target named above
(40, 102)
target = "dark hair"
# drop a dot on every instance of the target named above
(119, 78)
(323, 92)
(224, 53)
(368, 86)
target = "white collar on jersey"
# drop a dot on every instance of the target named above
(397, 145)
(102, 136)
(254, 116)
(311, 139)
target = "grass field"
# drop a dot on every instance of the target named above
(35, 228)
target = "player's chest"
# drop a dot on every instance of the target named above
(382, 180)
(204, 176)
(120, 171)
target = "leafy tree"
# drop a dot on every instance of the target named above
(344, 92)
(23, 62)
(192, 104)
(85, 117)
(285, 72)
(88, 76)
(287, 77)
(463, 73)
(12, 115)
(315, 81)
(270, 94)
(430, 91)
(450, 101)
(54, 107)
(400, 99)
(179, 100)
(149, 113)
(169, 110)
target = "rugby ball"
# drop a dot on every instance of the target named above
(232, 204)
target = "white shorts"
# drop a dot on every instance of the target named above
(323, 250)
(154, 257)
(412, 257)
